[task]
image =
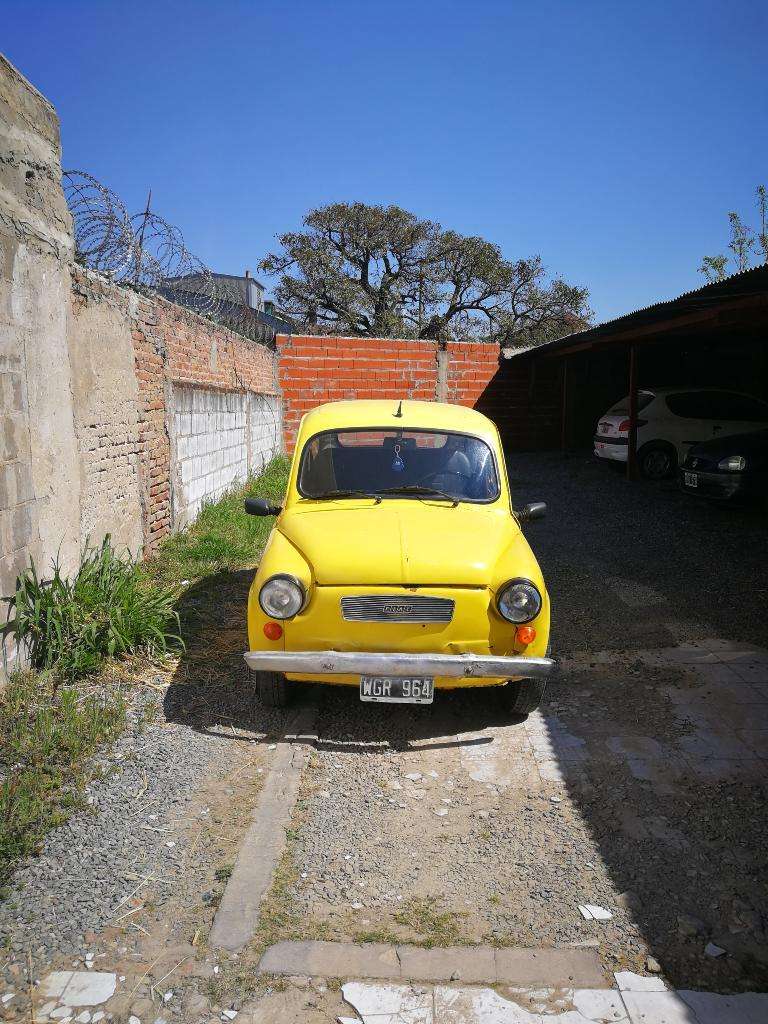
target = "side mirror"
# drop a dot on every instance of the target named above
(535, 510)
(260, 507)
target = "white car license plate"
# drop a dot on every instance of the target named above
(396, 690)
(691, 479)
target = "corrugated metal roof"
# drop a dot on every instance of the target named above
(743, 283)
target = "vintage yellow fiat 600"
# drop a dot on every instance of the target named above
(397, 564)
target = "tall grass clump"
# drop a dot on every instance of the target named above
(107, 609)
(222, 538)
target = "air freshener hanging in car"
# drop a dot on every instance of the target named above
(397, 463)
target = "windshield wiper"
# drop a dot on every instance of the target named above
(420, 489)
(350, 493)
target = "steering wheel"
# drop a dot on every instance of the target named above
(425, 481)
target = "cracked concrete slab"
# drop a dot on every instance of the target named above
(567, 967)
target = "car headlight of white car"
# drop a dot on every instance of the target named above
(282, 597)
(734, 463)
(518, 601)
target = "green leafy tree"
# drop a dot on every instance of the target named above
(714, 268)
(742, 243)
(380, 271)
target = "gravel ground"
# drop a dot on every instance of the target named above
(682, 568)
(173, 798)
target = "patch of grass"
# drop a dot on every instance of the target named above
(48, 734)
(71, 626)
(224, 874)
(378, 935)
(222, 538)
(439, 928)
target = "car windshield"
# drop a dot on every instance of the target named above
(397, 463)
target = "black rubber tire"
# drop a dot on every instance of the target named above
(273, 689)
(522, 696)
(651, 464)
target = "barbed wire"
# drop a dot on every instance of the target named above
(146, 252)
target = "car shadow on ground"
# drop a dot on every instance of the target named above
(213, 691)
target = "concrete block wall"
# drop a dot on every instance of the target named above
(265, 429)
(210, 430)
(220, 439)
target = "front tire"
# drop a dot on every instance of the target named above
(522, 696)
(657, 460)
(273, 689)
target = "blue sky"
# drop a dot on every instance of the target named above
(611, 138)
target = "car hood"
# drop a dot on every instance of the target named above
(400, 542)
(735, 444)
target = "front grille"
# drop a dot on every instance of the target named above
(397, 609)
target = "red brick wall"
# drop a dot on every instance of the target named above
(471, 367)
(315, 369)
(174, 346)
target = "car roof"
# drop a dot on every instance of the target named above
(684, 388)
(396, 415)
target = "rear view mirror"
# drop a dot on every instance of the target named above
(260, 507)
(535, 510)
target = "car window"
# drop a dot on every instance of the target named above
(375, 460)
(717, 405)
(693, 405)
(644, 399)
(730, 406)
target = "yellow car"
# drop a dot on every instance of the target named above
(397, 564)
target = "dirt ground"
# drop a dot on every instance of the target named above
(638, 787)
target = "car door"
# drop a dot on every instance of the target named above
(691, 421)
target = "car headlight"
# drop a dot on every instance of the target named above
(282, 597)
(519, 601)
(733, 463)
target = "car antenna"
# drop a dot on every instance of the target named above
(399, 412)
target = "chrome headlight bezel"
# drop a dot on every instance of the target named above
(524, 615)
(733, 464)
(290, 611)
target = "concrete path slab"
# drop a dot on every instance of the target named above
(260, 851)
(569, 968)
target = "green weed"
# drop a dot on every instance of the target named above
(70, 626)
(222, 538)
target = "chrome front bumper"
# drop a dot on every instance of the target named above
(466, 666)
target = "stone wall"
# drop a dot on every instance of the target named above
(88, 376)
(37, 435)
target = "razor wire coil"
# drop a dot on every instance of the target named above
(146, 252)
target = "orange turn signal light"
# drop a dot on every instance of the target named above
(525, 634)
(273, 630)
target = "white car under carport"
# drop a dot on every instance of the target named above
(671, 420)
